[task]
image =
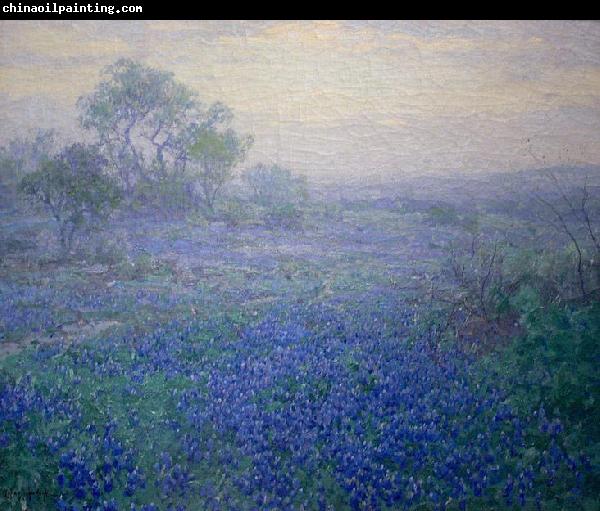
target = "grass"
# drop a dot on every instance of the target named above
(206, 306)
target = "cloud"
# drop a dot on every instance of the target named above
(61, 85)
(55, 41)
(320, 92)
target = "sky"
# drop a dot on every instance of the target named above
(339, 98)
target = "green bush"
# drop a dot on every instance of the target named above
(485, 273)
(142, 266)
(284, 216)
(75, 189)
(443, 215)
(554, 366)
(274, 185)
(558, 356)
(196, 219)
(233, 212)
(105, 250)
(552, 363)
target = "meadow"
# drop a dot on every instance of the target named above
(186, 364)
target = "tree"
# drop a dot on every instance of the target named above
(215, 155)
(74, 188)
(566, 203)
(23, 155)
(272, 185)
(144, 120)
(574, 213)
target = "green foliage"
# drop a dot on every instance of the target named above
(490, 274)
(275, 185)
(443, 215)
(557, 270)
(485, 277)
(139, 268)
(286, 216)
(74, 189)
(234, 212)
(214, 156)
(551, 364)
(21, 156)
(554, 366)
(104, 249)
(565, 340)
(280, 193)
(144, 119)
(27, 481)
(212, 146)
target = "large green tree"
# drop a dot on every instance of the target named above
(145, 121)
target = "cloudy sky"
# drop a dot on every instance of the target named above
(332, 98)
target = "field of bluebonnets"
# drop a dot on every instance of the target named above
(279, 344)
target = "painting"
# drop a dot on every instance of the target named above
(299, 265)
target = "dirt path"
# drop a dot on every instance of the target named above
(68, 333)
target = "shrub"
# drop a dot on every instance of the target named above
(275, 185)
(565, 339)
(285, 216)
(443, 215)
(280, 192)
(74, 189)
(233, 212)
(553, 367)
(196, 219)
(22, 156)
(105, 250)
(485, 277)
(547, 365)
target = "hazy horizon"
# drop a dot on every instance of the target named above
(333, 98)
